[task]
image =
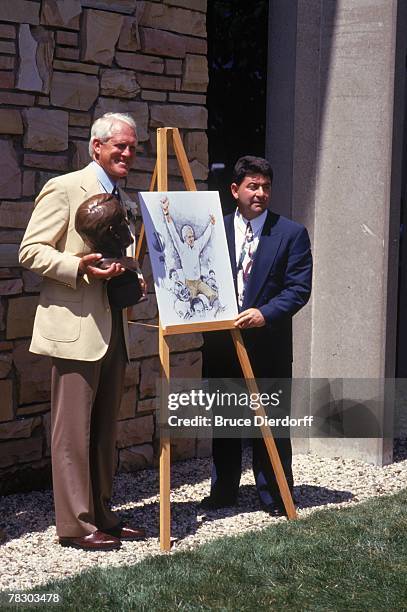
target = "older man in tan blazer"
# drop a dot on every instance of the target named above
(86, 338)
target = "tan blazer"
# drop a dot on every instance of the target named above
(73, 319)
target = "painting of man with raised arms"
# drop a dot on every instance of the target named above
(188, 253)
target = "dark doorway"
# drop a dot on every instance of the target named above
(237, 57)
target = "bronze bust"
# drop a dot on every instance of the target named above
(102, 224)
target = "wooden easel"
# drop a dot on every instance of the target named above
(160, 176)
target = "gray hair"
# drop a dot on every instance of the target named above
(185, 229)
(103, 128)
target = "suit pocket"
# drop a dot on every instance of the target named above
(59, 320)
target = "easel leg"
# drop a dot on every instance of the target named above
(265, 430)
(165, 450)
(161, 177)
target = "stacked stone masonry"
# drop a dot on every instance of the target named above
(63, 63)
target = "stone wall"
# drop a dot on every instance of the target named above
(63, 63)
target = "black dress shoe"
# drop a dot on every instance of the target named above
(98, 540)
(129, 534)
(215, 502)
(274, 509)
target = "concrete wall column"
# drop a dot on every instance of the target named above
(344, 185)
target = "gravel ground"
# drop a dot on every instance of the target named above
(31, 556)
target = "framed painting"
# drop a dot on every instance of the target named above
(189, 256)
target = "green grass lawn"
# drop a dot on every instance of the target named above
(350, 559)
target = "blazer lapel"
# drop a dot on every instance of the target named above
(89, 186)
(264, 258)
(89, 182)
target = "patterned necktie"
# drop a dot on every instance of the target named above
(245, 262)
(129, 212)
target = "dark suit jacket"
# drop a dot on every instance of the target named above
(279, 285)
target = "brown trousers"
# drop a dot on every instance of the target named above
(85, 402)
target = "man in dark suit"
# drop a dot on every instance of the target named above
(272, 269)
